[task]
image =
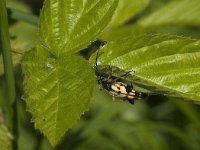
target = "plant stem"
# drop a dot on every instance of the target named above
(10, 99)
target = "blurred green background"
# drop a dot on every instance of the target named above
(156, 123)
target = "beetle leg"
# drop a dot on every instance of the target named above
(113, 98)
(110, 74)
(100, 87)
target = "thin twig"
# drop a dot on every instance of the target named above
(17, 51)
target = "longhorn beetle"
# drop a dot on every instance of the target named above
(116, 88)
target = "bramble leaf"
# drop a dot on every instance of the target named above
(161, 63)
(57, 90)
(72, 25)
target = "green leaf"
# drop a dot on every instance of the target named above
(183, 12)
(57, 90)
(127, 9)
(161, 63)
(5, 135)
(72, 25)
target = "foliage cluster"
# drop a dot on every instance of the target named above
(54, 74)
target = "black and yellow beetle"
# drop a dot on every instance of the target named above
(117, 88)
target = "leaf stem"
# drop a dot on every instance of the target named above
(10, 99)
(23, 16)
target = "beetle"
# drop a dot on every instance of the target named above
(115, 86)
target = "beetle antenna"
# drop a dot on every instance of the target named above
(124, 75)
(96, 68)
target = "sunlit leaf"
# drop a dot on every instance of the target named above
(72, 25)
(162, 63)
(57, 90)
